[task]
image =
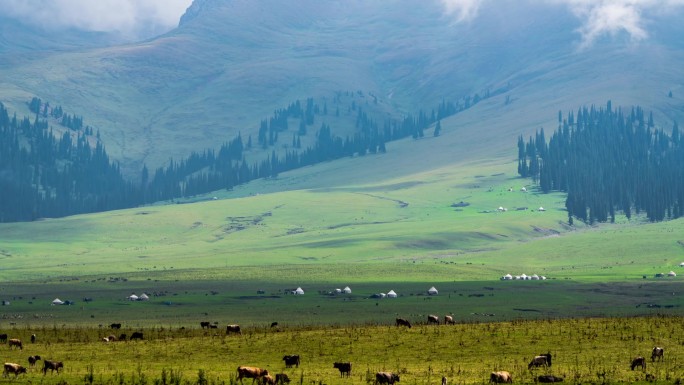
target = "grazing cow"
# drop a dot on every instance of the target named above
(52, 365)
(137, 336)
(3, 337)
(268, 380)
(548, 378)
(15, 342)
(657, 353)
(233, 329)
(449, 320)
(282, 379)
(33, 338)
(343, 367)
(501, 377)
(32, 360)
(115, 326)
(386, 378)
(444, 380)
(122, 337)
(540, 360)
(433, 319)
(638, 361)
(250, 372)
(13, 368)
(403, 322)
(205, 324)
(291, 360)
(274, 324)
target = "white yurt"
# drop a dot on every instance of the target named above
(133, 297)
(383, 295)
(507, 277)
(143, 297)
(391, 294)
(57, 301)
(338, 291)
(534, 277)
(681, 264)
(347, 290)
(524, 276)
(541, 208)
(432, 291)
(672, 274)
(299, 291)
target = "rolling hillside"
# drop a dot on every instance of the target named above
(425, 212)
(230, 64)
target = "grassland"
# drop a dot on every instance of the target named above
(587, 351)
(442, 228)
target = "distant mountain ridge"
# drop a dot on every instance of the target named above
(231, 63)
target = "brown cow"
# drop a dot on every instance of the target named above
(403, 322)
(344, 368)
(657, 353)
(386, 378)
(32, 360)
(282, 379)
(250, 372)
(16, 369)
(15, 342)
(638, 361)
(449, 320)
(268, 380)
(433, 319)
(501, 377)
(233, 329)
(52, 365)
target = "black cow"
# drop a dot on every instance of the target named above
(403, 322)
(233, 329)
(3, 337)
(540, 360)
(32, 360)
(291, 360)
(274, 324)
(343, 367)
(386, 378)
(548, 378)
(33, 338)
(115, 326)
(638, 361)
(657, 353)
(137, 336)
(122, 337)
(282, 379)
(52, 365)
(205, 324)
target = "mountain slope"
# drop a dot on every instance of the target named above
(230, 64)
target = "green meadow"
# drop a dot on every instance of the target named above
(234, 259)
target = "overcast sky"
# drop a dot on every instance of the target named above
(136, 17)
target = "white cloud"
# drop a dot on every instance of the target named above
(128, 17)
(462, 10)
(597, 17)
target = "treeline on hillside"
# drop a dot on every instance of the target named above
(48, 175)
(609, 160)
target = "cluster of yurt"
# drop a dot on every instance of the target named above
(298, 291)
(346, 290)
(141, 297)
(523, 277)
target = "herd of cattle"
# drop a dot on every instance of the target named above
(264, 377)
